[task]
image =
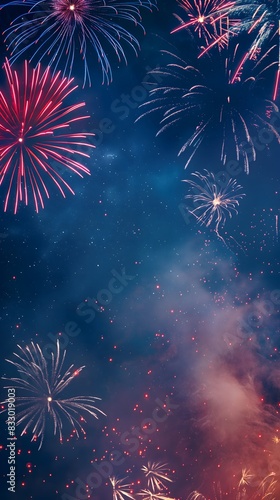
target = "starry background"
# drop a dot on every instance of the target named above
(171, 331)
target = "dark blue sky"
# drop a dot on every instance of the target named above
(178, 330)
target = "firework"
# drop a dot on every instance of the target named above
(55, 29)
(44, 382)
(156, 473)
(209, 19)
(213, 101)
(35, 137)
(120, 491)
(213, 203)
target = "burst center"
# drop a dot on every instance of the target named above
(216, 201)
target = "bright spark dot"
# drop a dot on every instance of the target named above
(216, 201)
(72, 7)
(20, 139)
(49, 399)
(201, 19)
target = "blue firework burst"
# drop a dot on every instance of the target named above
(63, 31)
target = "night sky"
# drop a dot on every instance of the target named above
(191, 337)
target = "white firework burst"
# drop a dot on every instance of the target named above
(214, 204)
(43, 382)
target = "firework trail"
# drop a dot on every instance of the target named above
(44, 382)
(63, 31)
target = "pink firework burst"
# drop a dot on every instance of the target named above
(35, 135)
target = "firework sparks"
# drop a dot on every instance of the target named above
(33, 120)
(44, 382)
(213, 203)
(156, 473)
(58, 27)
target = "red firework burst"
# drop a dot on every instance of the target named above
(33, 133)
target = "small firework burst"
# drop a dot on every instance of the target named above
(213, 203)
